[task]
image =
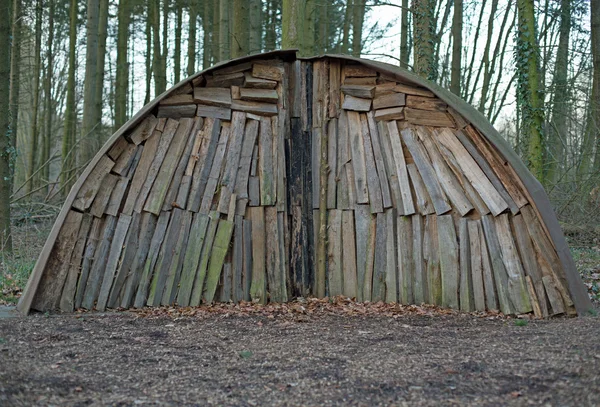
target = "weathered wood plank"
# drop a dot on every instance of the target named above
(244, 66)
(349, 278)
(431, 254)
(491, 299)
(427, 118)
(213, 112)
(420, 285)
(273, 260)
(103, 195)
(112, 262)
(125, 159)
(225, 80)
(343, 160)
(271, 72)
(176, 100)
(316, 138)
(116, 197)
(476, 265)
(466, 280)
(215, 172)
(225, 285)
(217, 258)
(177, 112)
(228, 178)
(143, 130)
(67, 300)
(393, 113)
(213, 96)
(411, 90)
(553, 296)
(259, 95)
(537, 311)
(405, 260)
(175, 269)
(91, 244)
(422, 199)
(130, 248)
(253, 191)
(449, 261)
(460, 121)
(388, 101)
(117, 148)
(191, 258)
(390, 167)
(401, 171)
(495, 256)
(332, 161)
(247, 259)
(425, 103)
(334, 253)
(379, 161)
(370, 259)
(363, 219)
(86, 194)
(358, 158)
(358, 71)
(356, 104)
(391, 268)
(335, 74)
(207, 246)
(380, 259)
(265, 164)
(142, 172)
(258, 83)
(373, 184)
(246, 155)
(359, 91)
(206, 154)
(237, 264)
(48, 296)
(258, 288)
(360, 81)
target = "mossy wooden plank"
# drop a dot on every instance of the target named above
(275, 279)
(141, 173)
(495, 255)
(246, 155)
(391, 261)
(476, 265)
(380, 259)
(449, 261)
(130, 246)
(199, 284)
(237, 264)
(148, 223)
(174, 274)
(373, 184)
(265, 163)
(144, 130)
(112, 261)
(100, 257)
(232, 163)
(206, 153)
(316, 135)
(160, 188)
(431, 254)
(362, 218)
(401, 171)
(405, 260)
(53, 280)
(357, 149)
(116, 197)
(67, 300)
(86, 194)
(334, 253)
(335, 74)
(192, 258)
(466, 278)
(150, 261)
(343, 160)
(91, 244)
(215, 172)
(217, 258)
(103, 195)
(258, 288)
(420, 288)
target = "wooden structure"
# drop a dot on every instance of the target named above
(241, 181)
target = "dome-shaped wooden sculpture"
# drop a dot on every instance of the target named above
(241, 181)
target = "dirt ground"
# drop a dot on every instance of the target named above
(230, 357)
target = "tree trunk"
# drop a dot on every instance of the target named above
(122, 74)
(5, 143)
(592, 133)
(457, 24)
(148, 56)
(160, 76)
(255, 35)
(224, 36)
(561, 99)
(424, 32)
(102, 35)
(485, 66)
(68, 141)
(33, 149)
(358, 16)
(323, 43)
(177, 52)
(192, 30)
(15, 69)
(292, 22)
(270, 25)
(240, 29)
(529, 99)
(215, 31)
(404, 54)
(88, 124)
(48, 110)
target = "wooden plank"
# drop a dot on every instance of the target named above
(487, 169)
(259, 95)
(177, 112)
(103, 195)
(116, 196)
(258, 83)
(491, 300)
(176, 100)
(86, 194)
(215, 172)
(150, 176)
(379, 162)
(149, 261)
(247, 259)
(124, 161)
(142, 172)
(362, 217)
(281, 135)
(316, 136)
(206, 154)
(191, 258)
(217, 258)
(370, 259)
(447, 180)
(175, 269)
(265, 164)
(129, 250)
(295, 88)
(253, 191)
(495, 256)
(244, 66)
(359, 71)
(335, 271)
(335, 73)
(53, 280)
(389, 101)
(349, 278)
(236, 92)
(422, 198)
(225, 81)
(320, 94)
(358, 158)
(553, 296)
(405, 260)
(530, 264)
(517, 289)
(360, 81)
(271, 72)
(237, 265)
(67, 300)
(420, 288)
(160, 126)
(412, 90)
(120, 145)
(100, 257)
(213, 96)
(373, 184)
(384, 88)
(380, 259)
(258, 288)
(356, 104)
(224, 293)
(431, 254)
(359, 91)
(232, 163)
(393, 113)
(390, 167)
(401, 170)
(473, 172)
(391, 268)
(246, 156)
(427, 118)
(332, 162)
(467, 299)
(460, 122)
(144, 130)
(537, 311)
(449, 261)
(476, 265)
(113, 260)
(88, 258)
(343, 160)
(205, 255)
(425, 103)
(213, 112)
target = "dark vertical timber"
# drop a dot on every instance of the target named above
(307, 212)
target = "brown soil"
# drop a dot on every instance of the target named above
(283, 358)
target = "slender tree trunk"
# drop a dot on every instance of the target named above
(5, 143)
(224, 36)
(68, 141)
(593, 124)
(292, 18)
(424, 31)
(404, 54)
(475, 53)
(358, 16)
(99, 94)
(148, 56)
(122, 75)
(485, 66)
(165, 42)
(160, 77)
(271, 17)
(240, 28)
(191, 51)
(457, 24)
(529, 99)
(177, 52)
(561, 99)
(33, 149)
(323, 43)
(216, 31)
(255, 34)
(15, 70)
(88, 124)
(346, 27)
(48, 114)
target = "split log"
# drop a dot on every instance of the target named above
(205, 255)
(232, 163)
(217, 258)
(411, 90)
(393, 113)
(358, 158)
(265, 164)
(373, 184)
(225, 80)
(335, 74)
(380, 259)
(259, 95)
(67, 300)
(258, 288)
(144, 130)
(213, 96)
(401, 171)
(214, 112)
(86, 194)
(103, 195)
(258, 83)
(363, 220)
(271, 72)
(356, 104)
(449, 261)
(177, 100)
(116, 197)
(405, 260)
(142, 172)
(215, 172)
(422, 199)
(350, 282)
(334, 253)
(466, 280)
(191, 259)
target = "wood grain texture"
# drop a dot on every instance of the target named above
(238, 125)
(215, 172)
(497, 264)
(67, 300)
(206, 154)
(379, 161)
(143, 130)
(420, 286)
(401, 171)
(86, 194)
(258, 288)
(358, 158)
(476, 265)
(380, 259)
(205, 255)
(431, 254)
(334, 253)
(373, 184)
(449, 261)
(467, 299)
(405, 260)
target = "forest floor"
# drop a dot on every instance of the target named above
(304, 353)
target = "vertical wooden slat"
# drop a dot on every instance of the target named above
(391, 276)
(192, 258)
(379, 162)
(206, 154)
(217, 258)
(390, 167)
(237, 265)
(116, 197)
(103, 195)
(247, 258)
(495, 254)
(343, 154)
(422, 199)
(431, 253)
(362, 217)
(373, 184)
(380, 259)
(466, 279)
(332, 161)
(405, 260)
(275, 280)
(316, 135)
(241, 183)
(401, 171)
(238, 124)
(265, 163)
(491, 299)
(86, 194)
(349, 255)
(88, 258)
(420, 292)
(476, 265)
(553, 296)
(174, 272)
(215, 171)
(199, 283)
(334, 87)
(370, 259)
(258, 288)
(67, 301)
(357, 149)
(449, 264)
(334, 253)
(142, 171)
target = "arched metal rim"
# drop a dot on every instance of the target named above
(533, 186)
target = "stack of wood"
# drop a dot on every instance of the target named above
(225, 192)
